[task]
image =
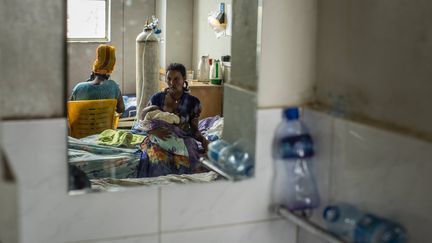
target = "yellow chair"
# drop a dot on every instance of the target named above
(88, 117)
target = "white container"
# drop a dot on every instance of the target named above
(203, 69)
(216, 72)
(226, 70)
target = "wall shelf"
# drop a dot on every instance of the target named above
(307, 225)
(207, 163)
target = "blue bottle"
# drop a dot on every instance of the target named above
(294, 184)
(214, 149)
(353, 225)
(372, 229)
(342, 219)
(235, 161)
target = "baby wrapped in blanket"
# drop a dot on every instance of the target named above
(157, 114)
(175, 153)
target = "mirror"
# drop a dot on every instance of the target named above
(166, 143)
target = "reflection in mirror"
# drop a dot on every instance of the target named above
(146, 106)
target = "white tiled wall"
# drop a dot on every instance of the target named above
(152, 238)
(259, 232)
(46, 213)
(8, 212)
(385, 173)
(217, 212)
(379, 171)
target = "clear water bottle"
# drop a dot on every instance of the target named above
(235, 161)
(342, 219)
(294, 184)
(372, 229)
(353, 225)
(214, 149)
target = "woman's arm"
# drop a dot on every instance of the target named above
(148, 109)
(197, 134)
(120, 104)
(160, 132)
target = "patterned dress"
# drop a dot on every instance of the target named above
(188, 108)
(159, 159)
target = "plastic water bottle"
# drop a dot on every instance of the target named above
(294, 185)
(235, 161)
(342, 219)
(353, 225)
(372, 229)
(214, 149)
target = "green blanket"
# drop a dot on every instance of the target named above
(119, 138)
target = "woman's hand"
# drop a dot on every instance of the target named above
(205, 144)
(148, 109)
(160, 132)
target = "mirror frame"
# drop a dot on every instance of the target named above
(41, 190)
(240, 104)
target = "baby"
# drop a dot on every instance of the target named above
(154, 113)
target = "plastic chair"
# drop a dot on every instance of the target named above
(88, 117)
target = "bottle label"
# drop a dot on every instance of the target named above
(300, 146)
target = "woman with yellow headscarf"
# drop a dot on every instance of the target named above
(99, 85)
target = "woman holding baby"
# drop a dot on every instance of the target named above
(178, 114)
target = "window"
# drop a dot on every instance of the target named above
(88, 20)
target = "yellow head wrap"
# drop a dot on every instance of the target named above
(105, 59)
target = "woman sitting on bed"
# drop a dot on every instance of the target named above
(170, 146)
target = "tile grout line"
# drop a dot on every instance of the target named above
(221, 226)
(331, 164)
(159, 215)
(159, 233)
(297, 232)
(111, 238)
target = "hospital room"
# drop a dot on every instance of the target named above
(183, 121)
(145, 92)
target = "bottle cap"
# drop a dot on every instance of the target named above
(291, 113)
(222, 7)
(226, 58)
(394, 233)
(249, 170)
(331, 213)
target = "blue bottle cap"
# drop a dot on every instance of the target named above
(394, 233)
(249, 171)
(331, 213)
(222, 7)
(291, 113)
(212, 137)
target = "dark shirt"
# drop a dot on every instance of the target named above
(189, 107)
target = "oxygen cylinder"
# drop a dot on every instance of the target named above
(147, 68)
